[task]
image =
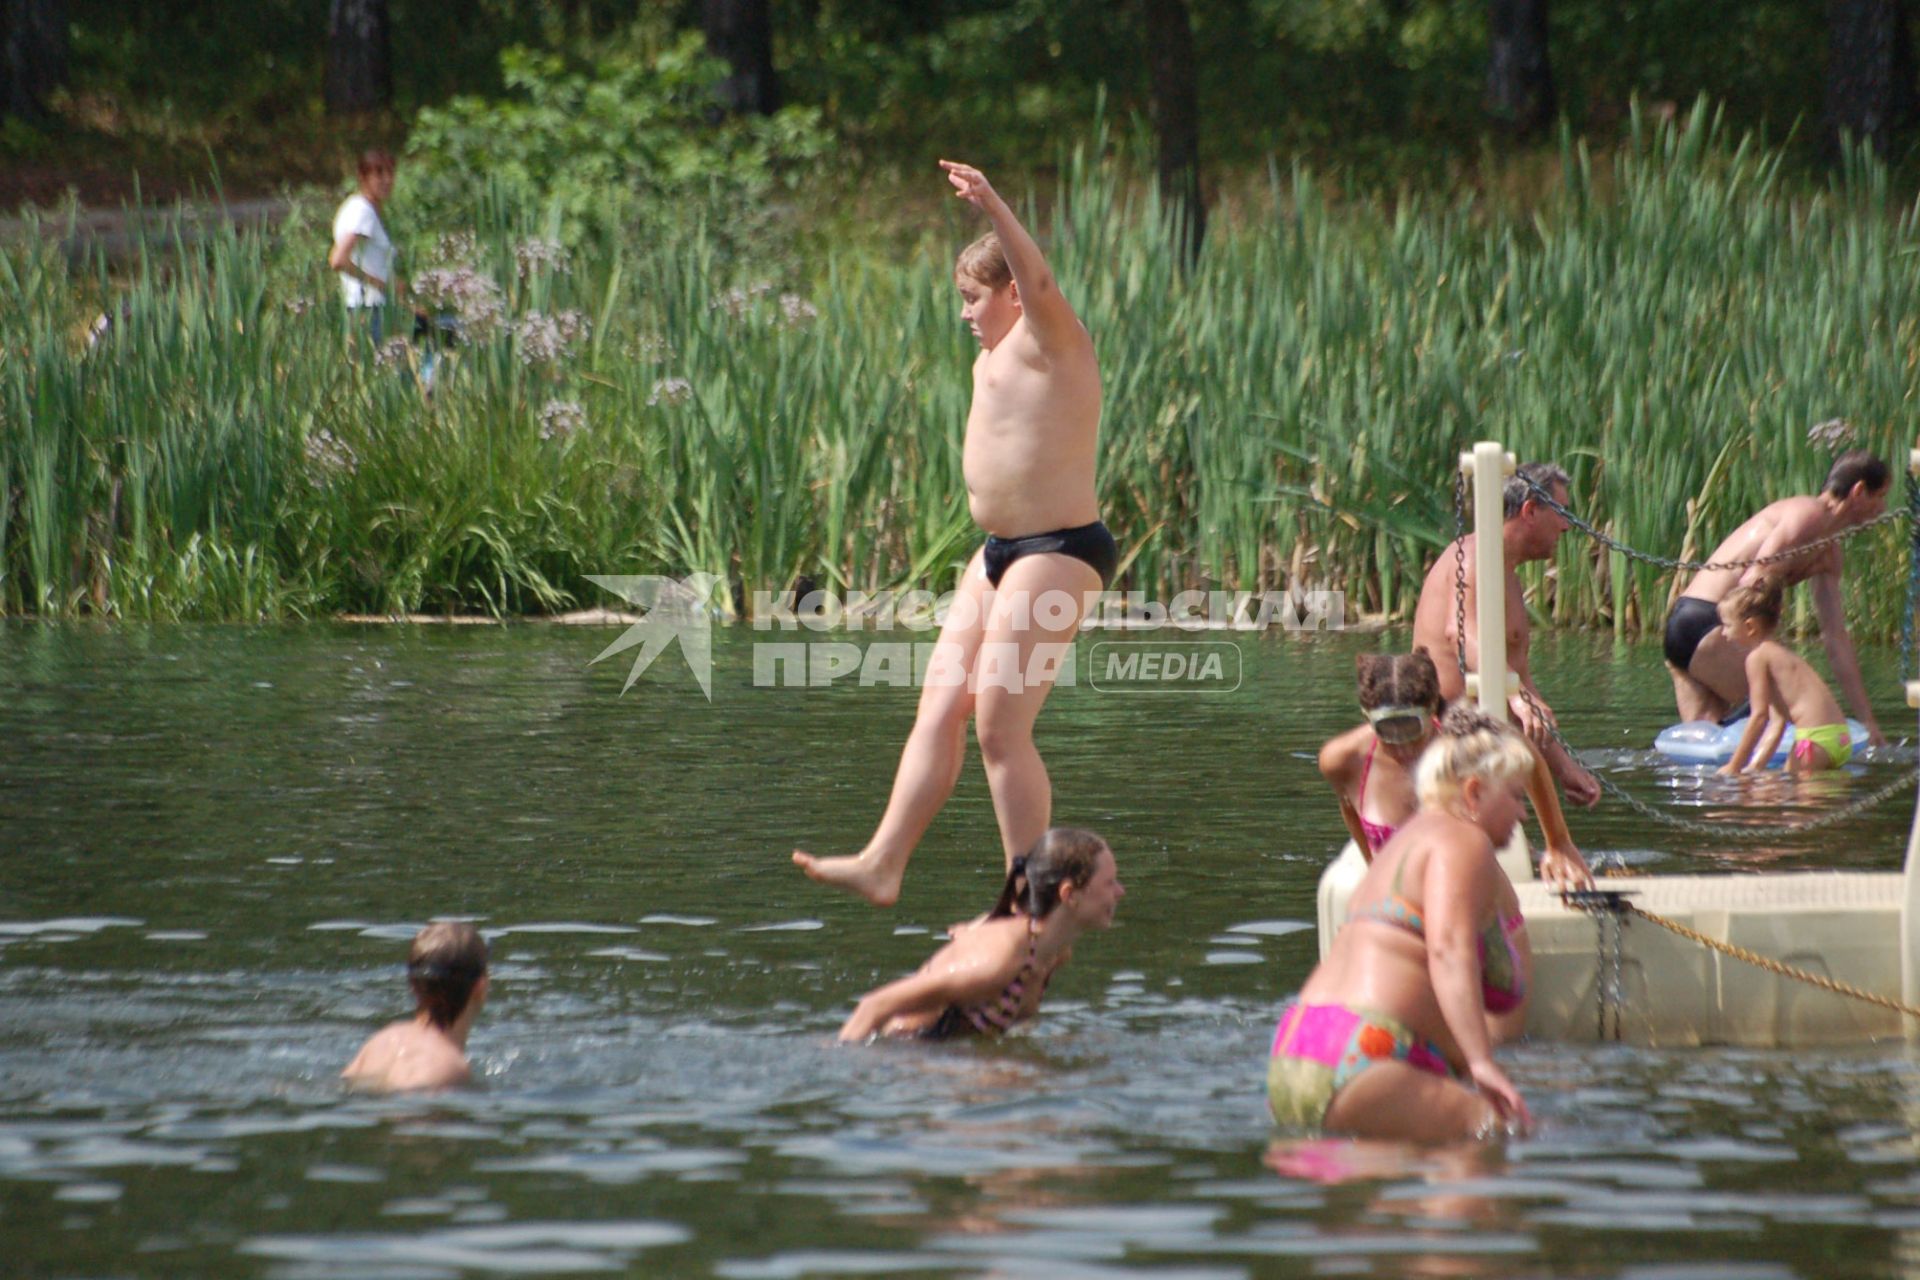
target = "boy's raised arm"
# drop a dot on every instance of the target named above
(1049, 316)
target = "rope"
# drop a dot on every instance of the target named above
(1771, 965)
(1792, 553)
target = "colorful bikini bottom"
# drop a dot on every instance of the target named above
(1319, 1048)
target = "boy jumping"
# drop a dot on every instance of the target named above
(1028, 459)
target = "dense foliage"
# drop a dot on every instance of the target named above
(1669, 325)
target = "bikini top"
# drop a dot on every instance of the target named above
(1377, 833)
(995, 1016)
(1503, 987)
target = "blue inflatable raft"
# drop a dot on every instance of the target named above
(1704, 742)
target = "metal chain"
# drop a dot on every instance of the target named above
(1609, 994)
(1774, 966)
(1460, 570)
(1792, 553)
(1907, 671)
(1645, 810)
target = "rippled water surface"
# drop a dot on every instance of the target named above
(214, 843)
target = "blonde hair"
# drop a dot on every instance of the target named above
(1762, 600)
(1471, 744)
(984, 260)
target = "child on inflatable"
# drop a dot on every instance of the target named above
(1783, 687)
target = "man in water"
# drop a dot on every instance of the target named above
(1028, 459)
(1709, 666)
(1530, 531)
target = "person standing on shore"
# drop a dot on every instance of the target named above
(362, 251)
(1029, 455)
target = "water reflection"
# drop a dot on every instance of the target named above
(215, 842)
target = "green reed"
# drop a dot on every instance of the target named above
(1667, 325)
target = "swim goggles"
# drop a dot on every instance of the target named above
(1400, 726)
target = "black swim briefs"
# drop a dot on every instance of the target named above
(1090, 543)
(1691, 621)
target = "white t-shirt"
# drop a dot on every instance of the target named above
(372, 252)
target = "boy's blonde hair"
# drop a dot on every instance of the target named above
(1471, 744)
(984, 260)
(1762, 600)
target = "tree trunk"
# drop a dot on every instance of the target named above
(1870, 89)
(1519, 77)
(741, 33)
(359, 57)
(1176, 120)
(33, 55)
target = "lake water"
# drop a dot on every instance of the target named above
(215, 842)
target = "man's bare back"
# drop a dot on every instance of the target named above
(1775, 527)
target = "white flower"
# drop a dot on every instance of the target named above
(537, 255)
(560, 419)
(737, 301)
(1834, 433)
(327, 454)
(547, 339)
(796, 311)
(455, 249)
(392, 352)
(670, 391)
(651, 348)
(299, 306)
(473, 298)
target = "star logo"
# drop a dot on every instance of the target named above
(676, 609)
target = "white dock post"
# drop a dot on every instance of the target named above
(1490, 465)
(1910, 895)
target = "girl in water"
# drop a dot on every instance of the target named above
(992, 973)
(1388, 1037)
(1370, 767)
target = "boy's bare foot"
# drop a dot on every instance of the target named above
(861, 875)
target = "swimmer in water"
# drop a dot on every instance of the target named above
(1028, 458)
(447, 969)
(1389, 1036)
(1370, 767)
(1784, 689)
(991, 974)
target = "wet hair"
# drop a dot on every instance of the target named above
(1517, 490)
(375, 160)
(1064, 855)
(446, 961)
(984, 260)
(1399, 679)
(1762, 600)
(1471, 744)
(1854, 466)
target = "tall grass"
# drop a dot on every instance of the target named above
(1667, 325)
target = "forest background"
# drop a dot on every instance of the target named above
(697, 252)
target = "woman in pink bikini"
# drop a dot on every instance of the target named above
(1370, 767)
(994, 971)
(1388, 1037)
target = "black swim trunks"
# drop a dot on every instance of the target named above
(1691, 621)
(1090, 543)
